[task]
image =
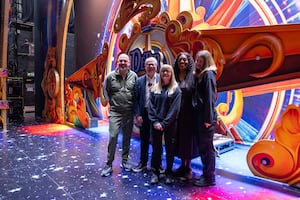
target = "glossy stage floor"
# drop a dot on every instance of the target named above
(50, 161)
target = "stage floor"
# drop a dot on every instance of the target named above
(50, 161)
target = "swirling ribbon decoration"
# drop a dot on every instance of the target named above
(270, 41)
(279, 159)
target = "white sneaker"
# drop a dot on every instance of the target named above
(140, 167)
(107, 170)
(126, 166)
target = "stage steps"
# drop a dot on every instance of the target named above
(223, 143)
(223, 139)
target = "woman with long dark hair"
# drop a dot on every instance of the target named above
(186, 149)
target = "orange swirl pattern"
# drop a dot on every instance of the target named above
(50, 87)
(90, 77)
(180, 39)
(164, 18)
(186, 19)
(287, 133)
(231, 118)
(131, 8)
(279, 159)
(76, 108)
(101, 61)
(123, 42)
(273, 43)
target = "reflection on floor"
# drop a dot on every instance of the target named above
(49, 161)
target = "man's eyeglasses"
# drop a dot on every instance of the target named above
(150, 64)
(124, 61)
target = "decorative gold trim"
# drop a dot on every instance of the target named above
(130, 8)
(3, 58)
(180, 40)
(52, 83)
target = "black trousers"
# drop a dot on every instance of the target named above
(207, 151)
(145, 138)
(157, 139)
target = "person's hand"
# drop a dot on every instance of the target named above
(207, 125)
(158, 127)
(139, 120)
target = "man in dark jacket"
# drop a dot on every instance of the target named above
(141, 101)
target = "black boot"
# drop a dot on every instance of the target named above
(179, 172)
(205, 181)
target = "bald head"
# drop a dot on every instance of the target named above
(123, 64)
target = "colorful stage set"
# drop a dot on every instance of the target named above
(255, 45)
(256, 48)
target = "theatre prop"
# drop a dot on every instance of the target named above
(250, 60)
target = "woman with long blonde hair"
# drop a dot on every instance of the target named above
(164, 106)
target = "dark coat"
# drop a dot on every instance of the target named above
(186, 147)
(164, 108)
(140, 94)
(205, 97)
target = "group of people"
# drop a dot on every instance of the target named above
(175, 106)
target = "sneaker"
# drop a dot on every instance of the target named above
(161, 170)
(107, 170)
(204, 182)
(154, 179)
(127, 167)
(169, 180)
(140, 167)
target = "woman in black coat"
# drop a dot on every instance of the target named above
(163, 112)
(186, 149)
(204, 100)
